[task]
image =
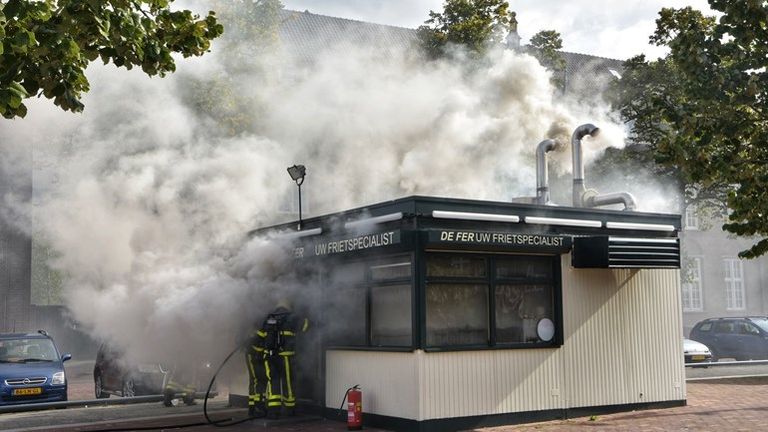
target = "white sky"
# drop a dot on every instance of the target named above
(607, 28)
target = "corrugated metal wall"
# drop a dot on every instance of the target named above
(623, 336)
(456, 384)
(623, 344)
(390, 381)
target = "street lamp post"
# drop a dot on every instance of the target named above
(297, 173)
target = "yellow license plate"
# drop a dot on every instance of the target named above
(28, 391)
(697, 357)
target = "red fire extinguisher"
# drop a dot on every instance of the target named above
(354, 399)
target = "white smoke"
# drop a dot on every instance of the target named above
(149, 202)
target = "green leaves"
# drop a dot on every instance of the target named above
(704, 108)
(11, 97)
(45, 45)
(544, 46)
(474, 24)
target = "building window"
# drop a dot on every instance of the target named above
(734, 284)
(489, 300)
(345, 311)
(390, 293)
(370, 304)
(692, 298)
(691, 218)
(457, 314)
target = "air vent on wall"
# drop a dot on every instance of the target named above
(625, 252)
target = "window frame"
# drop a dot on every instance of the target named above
(369, 309)
(732, 282)
(368, 284)
(491, 281)
(691, 215)
(698, 287)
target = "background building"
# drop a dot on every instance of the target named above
(716, 282)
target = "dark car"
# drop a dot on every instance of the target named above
(31, 369)
(741, 338)
(113, 376)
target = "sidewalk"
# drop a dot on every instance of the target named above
(718, 405)
(739, 404)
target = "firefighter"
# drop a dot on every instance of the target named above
(257, 377)
(273, 387)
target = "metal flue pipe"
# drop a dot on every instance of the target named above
(578, 164)
(542, 173)
(625, 198)
(590, 198)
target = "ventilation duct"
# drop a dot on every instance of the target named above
(623, 252)
(582, 197)
(542, 172)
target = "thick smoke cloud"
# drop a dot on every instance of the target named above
(148, 200)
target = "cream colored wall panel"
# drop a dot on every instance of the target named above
(465, 383)
(654, 340)
(389, 381)
(595, 372)
(623, 330)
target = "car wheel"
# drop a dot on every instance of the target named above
(129, 388)
(98, 387)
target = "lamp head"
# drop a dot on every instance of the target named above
(297, 173)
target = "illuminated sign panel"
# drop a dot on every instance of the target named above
(516, 241)
(322, 247)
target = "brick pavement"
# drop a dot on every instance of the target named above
(739, 404)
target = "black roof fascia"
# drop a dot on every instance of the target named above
(328, 221)
(423, 206)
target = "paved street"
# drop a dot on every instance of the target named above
(738, 404)
(80, 376)
(726, 371)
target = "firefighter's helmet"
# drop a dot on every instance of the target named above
(285, 304)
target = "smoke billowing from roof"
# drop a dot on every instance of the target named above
(148, 199)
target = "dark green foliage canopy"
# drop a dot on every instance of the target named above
(246, 54)
(252, 32)
(544, 46)
(704, 108)
(46, 45)
(474, 24)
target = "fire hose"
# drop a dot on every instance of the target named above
(224, 422)
(208, 421)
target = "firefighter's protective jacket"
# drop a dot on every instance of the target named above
(277, 335)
